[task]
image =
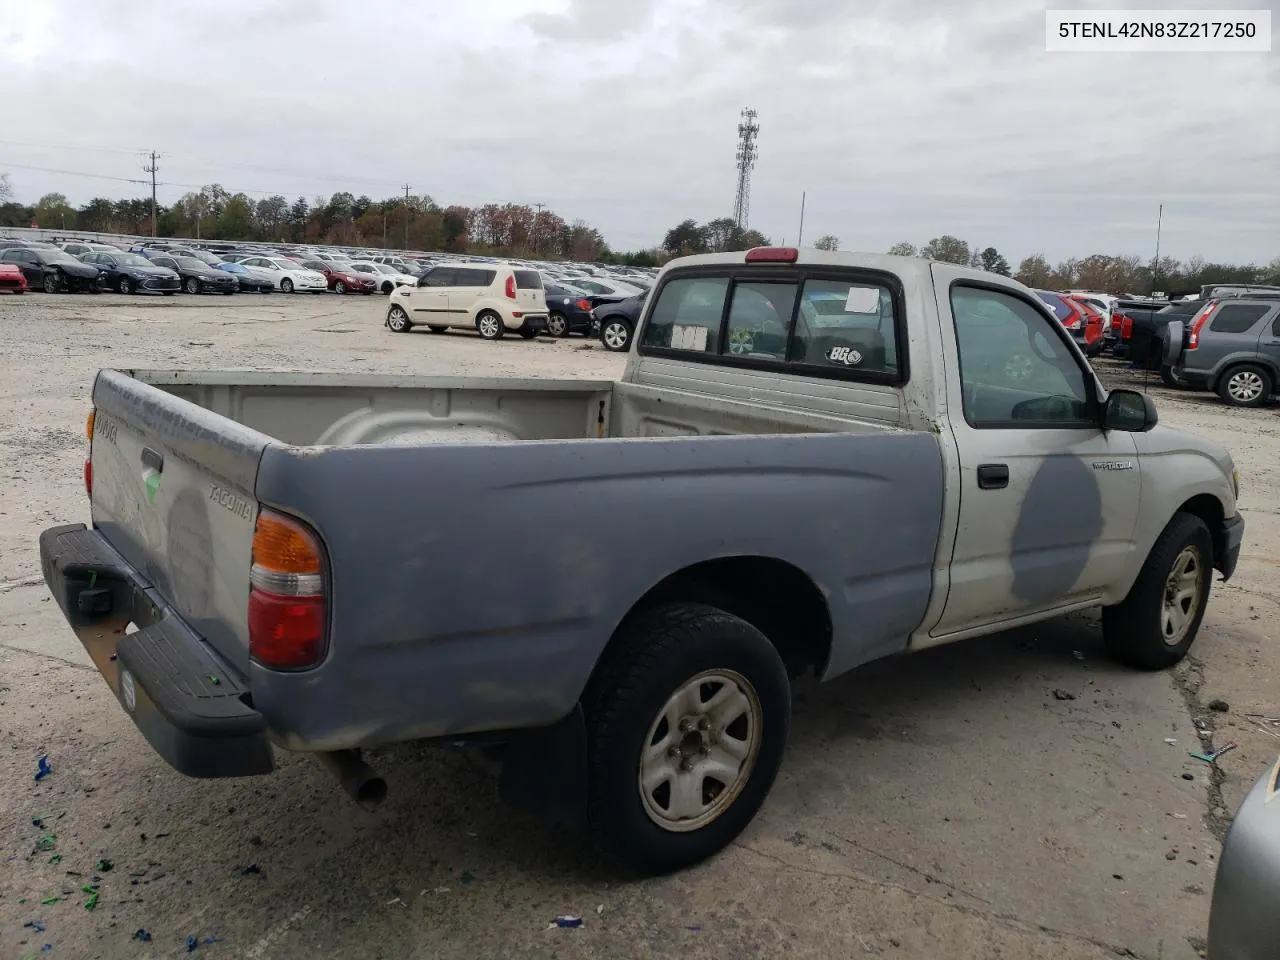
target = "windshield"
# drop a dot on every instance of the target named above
(233, 268)
(132, 260)
(287, 265)
(383, 268)
(191, 263)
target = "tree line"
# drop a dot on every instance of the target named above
(411, 223)
(1103, 273)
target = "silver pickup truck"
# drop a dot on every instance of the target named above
(812, 460)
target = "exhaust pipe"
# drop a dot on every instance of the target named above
(355, 776)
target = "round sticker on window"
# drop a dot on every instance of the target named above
(847, 356)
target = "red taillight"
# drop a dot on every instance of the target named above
(1073, 320)
(584, 305)
(89, 424)
(511, 287)
(88, 477)
(772, 255)
(287, 609)
(1197, 324)
(1126, 327)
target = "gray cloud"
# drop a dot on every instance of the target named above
(902, 119)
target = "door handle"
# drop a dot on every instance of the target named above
(153, 460)
(993, 476)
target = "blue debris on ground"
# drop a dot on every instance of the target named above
(142, 935)
(43, 767)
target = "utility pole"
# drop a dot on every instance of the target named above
(800, 236)
(151, 168)
(537, 219)
(406, 216)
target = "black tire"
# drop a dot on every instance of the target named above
(490, 326)
(398, 320)
(168, 293)
(652, 657)
(436, 328)
(227, 293)
(1135, 630)
(1169, 379)
(125, 286)
(388, 288)
(558, 325)
(339, 287)
(527, 332)
(51, 283)
(192, 285)
(1246, 385)
(615, 334)
(286, 285)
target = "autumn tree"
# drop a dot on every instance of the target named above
(1034, 271)
(827, 242)
(946, 248)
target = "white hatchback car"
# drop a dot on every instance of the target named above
(289, 275)
(386, 277)
(489, 298)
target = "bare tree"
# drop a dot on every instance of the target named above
(6, 188)
(827, 242)
(903, 250)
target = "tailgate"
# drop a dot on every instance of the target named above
(173, 493)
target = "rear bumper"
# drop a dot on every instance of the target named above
(1196, 379)
(189, 703)
(530, 321)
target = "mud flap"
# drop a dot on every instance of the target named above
(544, 771)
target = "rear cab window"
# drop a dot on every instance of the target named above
(810, 321)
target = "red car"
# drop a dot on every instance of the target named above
(1095, 326)
(1084, 327)
(11, 278)
(341, 281)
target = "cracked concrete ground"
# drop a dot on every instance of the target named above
(938, 805)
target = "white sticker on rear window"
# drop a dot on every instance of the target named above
(863, 300)
(688, 337)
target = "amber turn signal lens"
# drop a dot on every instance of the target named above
(282, 545)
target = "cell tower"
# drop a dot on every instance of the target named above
(748, 129)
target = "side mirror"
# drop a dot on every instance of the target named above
(1130, 411)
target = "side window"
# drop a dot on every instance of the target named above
(1275, 327)
(442, 277)
(89, 258)
(1015, 369)
(1237, 317)
(846, 324)
(759, 318)
(687, 315)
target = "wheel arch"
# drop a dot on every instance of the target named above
(1240, 358)
(1211, 511)
(774, 596)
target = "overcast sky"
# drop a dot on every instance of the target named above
(902, 119)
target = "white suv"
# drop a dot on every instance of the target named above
(491, 298)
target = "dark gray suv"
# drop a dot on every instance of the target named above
(1232, 347)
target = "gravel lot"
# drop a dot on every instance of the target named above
(939, 805)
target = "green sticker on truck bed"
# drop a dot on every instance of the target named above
(151, 481)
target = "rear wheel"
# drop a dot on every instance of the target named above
(490, 325)
(615, 335)
(398, 320)
(558, 325)
(388, 287)
(1155, 625)
(1246, 385)
(687, 722)
(339, 287)
(1169, 378)
(125, 285)
(193, 285)
(286, 285)
(527, 332)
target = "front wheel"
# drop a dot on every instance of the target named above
(490, 325)
(398, 320)
(687, 722)
(51, 284)
(615, 335)
(339, 288)
(1155, 625)
(1247, 385)
(126, 285)
(558, 325)
(193, 285)
(527, 332)
(286, 285)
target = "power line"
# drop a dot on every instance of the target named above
(71, 173)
